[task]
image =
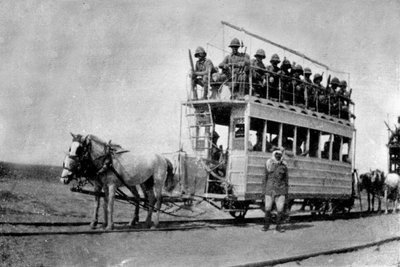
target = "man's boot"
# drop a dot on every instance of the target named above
(267, 220)
(205, 93)
(279, 218)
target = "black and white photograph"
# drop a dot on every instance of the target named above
(199, 133)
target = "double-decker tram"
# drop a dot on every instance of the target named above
(317, 134)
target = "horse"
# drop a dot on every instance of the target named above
(373, 182)
(392, 190)
(109, 167)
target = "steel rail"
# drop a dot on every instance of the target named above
(211, 223)
(320, 253)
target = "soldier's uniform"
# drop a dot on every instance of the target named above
(334, 97)
(258, 73)
(344, 99)
(273, 78)
(298, 86)
(309, 89)
(236, 67)
(286, 81)
(203, 70)
(321, 99)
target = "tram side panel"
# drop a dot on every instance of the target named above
(308, 177)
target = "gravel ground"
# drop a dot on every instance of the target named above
(27, 195)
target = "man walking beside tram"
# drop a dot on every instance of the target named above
(236, 67)
(276, 188)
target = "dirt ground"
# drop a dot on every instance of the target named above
(33, 194)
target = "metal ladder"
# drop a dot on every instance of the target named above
(201, 126)
(201, 129)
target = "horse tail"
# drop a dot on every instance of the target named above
(169, 181)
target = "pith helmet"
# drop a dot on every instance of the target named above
(307, 71)
(235, 43)
(317, 76)
(343, 83)
(299, 69)
(286, 62)
(275, 58)
(335, 80)
(199, 50)
(260, 53)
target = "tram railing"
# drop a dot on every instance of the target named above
(286, 89)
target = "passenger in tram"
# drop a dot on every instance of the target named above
(309, 89)
(322, 103)
(236, 67)
(276, 188)
(215, 150)
(286, 81)
(334, 99)
(273, 78)
(344, 100)
(202, 72)
(258, 74)
(298, 86)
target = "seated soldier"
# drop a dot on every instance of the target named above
(202, 72)
(286, 81)
(273, 78)
(258, 74)
(298, 86)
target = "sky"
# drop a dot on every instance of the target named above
(118, 69)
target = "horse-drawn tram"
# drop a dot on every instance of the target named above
(265, 110)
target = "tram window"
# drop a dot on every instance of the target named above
(325, 145)
(287, 137)
(301, 140)
(314, 143)
(272, 135)
(346, 146)
(256, 133)
(238, 134)
(336, 147)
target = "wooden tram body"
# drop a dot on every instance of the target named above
(319, 146)
(325, 175)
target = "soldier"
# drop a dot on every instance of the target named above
(309, 90)
(333, 97)
(298, 86)
(273, 79)
(286, 74)
(344, 99)
(319, 93)
(203, 70)
(258, 73)
(276, 188)
(236, 67)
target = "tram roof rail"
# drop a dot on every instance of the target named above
(282, 47)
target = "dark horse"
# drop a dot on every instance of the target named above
(109, 167)
(372, 182)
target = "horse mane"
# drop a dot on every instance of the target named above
(102, 142)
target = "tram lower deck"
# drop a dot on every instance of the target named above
(318, 148)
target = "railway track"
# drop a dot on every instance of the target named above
(300, 258)
(176, 225)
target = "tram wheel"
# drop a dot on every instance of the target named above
(239, 215)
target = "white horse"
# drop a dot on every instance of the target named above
(109, 169)
(392, 190)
